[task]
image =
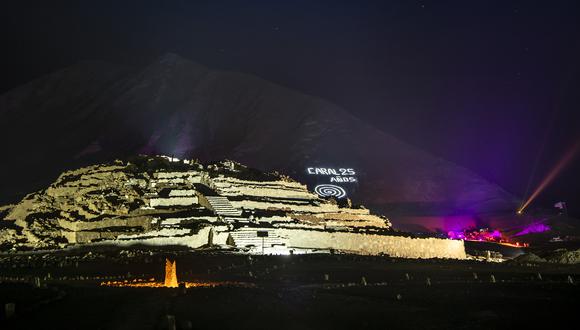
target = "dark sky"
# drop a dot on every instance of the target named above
(491, 85)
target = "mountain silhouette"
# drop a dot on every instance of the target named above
(97, 111)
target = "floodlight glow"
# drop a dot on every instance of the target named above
(551, 176)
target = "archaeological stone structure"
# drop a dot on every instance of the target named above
(224, 205)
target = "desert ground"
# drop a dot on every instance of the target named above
(62, 290)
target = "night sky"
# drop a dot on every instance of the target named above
(491, 85)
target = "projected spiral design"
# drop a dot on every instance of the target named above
(329, 190)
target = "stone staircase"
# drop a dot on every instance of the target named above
(222, 206)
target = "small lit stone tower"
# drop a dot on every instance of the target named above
(170, 274)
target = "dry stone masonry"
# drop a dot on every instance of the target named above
(162, 201)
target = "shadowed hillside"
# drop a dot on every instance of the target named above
(96, 111)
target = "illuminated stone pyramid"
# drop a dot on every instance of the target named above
(170, 274)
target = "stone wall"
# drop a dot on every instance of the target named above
(299, 240)
(196, 240)
(229, 186)
(141, 221)
(182, 192)
(345, 218)
(173, 201)
(88, 236)
(395, 246)
(251, 205)
(178, 177)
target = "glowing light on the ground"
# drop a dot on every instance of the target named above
(171, 281)
(151, 283)
(550, 177)
(483, 235)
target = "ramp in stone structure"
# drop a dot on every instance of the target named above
(222, 206)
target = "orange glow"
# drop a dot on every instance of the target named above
(170, 274)
(153, 284)
(170, 281)
(516, 244)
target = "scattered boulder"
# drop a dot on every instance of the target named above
(562, 256)
(528, 258)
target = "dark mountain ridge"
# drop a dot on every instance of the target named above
(96, 111)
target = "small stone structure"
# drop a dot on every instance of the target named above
(170, 274)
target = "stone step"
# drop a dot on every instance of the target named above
(222, 206)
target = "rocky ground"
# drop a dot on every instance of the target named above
(61, 291)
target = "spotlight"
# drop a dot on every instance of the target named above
(560, 165)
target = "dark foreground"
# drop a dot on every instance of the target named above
(291, 292)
